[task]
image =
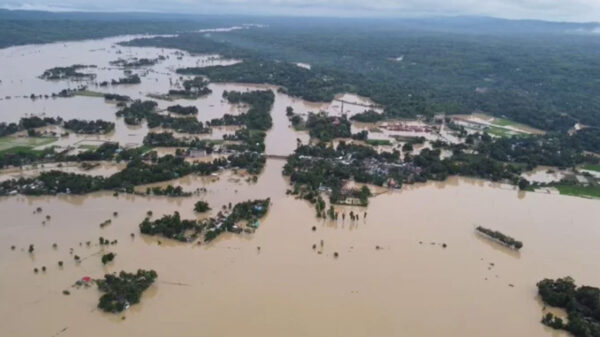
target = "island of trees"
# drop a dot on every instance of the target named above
(201, 206)
(248, 211)
(71, 72)
(183, 110)
(173, 227)
(121, 291)
(137, 172)
(108, 257)
(326, 128)
(76, 125)
(27, 123)
(89, 127)
(192, 89)
(138, 111)
(131, 79)
(256, 121)
(167, 139)
(169, 191)
(499, 237)
(582, 305)
(136, 62)
(117, 98)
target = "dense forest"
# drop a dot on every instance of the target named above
(255, 121)
(138, 111)
(228, 219)
(89, 127)
(25, 27)
(122, 290)
(582, 305)
(547, 80)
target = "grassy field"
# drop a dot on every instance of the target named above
(500, 132)
(579, 191)
(377, 142)
(23, 143)
(503, 123)
(88, 147)
(89, 93)
(591, 167)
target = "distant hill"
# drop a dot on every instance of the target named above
(138, 22)
(18, 27)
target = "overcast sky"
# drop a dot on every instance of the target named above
(554, 10)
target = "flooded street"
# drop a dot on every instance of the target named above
(393, 276)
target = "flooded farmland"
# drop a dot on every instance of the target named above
(413, 266)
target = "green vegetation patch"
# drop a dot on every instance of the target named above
(89, 93)
(378, 142)
(589, 191)
(23, 143)
(121, 291)
(501, 132)
(172, 227)
(503, 122)
(89, 127)
(88, 146)
(500, 237)
(582, 305)
(71, 72)
(591, 167)
(506, 122)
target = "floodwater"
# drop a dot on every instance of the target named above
(410, 286)
(286, 288)
(545, 174)
(104, 169)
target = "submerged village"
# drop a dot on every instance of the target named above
(195, 168)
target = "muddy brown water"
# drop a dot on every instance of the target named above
(410, 286)
(286, 287)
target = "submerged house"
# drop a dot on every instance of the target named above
(198, 153)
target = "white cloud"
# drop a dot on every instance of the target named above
(568, 10)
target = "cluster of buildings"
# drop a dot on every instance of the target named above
(404, 127)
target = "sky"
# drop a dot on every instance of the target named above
(551, 10)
